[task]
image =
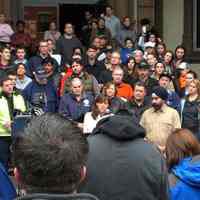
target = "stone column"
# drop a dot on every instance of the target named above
(120, 7)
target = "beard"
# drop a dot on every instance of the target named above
(156, 106)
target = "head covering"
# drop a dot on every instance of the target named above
(40, 75)
(160, 92)
(165, 74)
(149, 45)
(183, 65)
(143, 65)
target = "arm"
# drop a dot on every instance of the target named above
(63, 108)
(59, 46)
(86, 123)
(176, 120)
(95, 86)
(6, 31)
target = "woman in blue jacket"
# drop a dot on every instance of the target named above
(183, 159)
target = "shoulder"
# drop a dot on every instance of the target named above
(170, 109)
(88, 95)
(88, 116)
(148, 112)
(128, 86)
(47, 32)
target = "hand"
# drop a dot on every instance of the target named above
(80, 125)
(7, 124)
(162, 148)
(38, 111)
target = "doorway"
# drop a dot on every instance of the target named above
(74, 13)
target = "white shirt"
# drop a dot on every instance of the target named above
(89, 123)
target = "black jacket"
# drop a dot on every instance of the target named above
(121, 165)
(150, 83)
(190, 115)
(139, 109)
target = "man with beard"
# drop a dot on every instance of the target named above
(143, 75)
(160, 120)
(75, 103)
(77, 71)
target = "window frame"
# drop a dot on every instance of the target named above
(189, 37)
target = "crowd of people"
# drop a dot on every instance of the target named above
(123, 92)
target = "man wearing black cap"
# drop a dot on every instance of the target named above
(173, 99)
(160, 120)
(41, 93)
(143, 72)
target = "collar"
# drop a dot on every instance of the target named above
(120, 85)
(161, 110)
(42, 56)
(83, 96)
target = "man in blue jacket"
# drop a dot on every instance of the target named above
(75, 104)
(173, 99)
(41, 93)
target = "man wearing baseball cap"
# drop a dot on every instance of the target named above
(143, 72)
(173, 100)
(160, 120)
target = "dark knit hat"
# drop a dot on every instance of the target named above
(165, 74)
(160, 92)
(144, 65)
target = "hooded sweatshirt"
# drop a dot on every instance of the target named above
(121, 165)
(187, 186)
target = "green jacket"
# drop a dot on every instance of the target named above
(18, 103)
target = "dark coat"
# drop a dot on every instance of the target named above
(139, 109)
(71, 109)
(35, 63)
(121, 165)
(150, 83)
(190, 115)
(59, 197)
(42, 96)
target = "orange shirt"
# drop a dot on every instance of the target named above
(124, 90)
(182, 80)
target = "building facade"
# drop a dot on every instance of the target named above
(177, 20)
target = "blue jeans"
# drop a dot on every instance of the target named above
(5, 143)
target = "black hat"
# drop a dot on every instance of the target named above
(40, 74)
(165, 74)
(143, 65)
(160, 92)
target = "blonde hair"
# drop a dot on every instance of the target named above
(197, 84)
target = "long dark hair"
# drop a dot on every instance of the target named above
(181, 144)
(180, 47)
(99, 99)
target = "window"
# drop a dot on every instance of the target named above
(196, 26)
(191, 36)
